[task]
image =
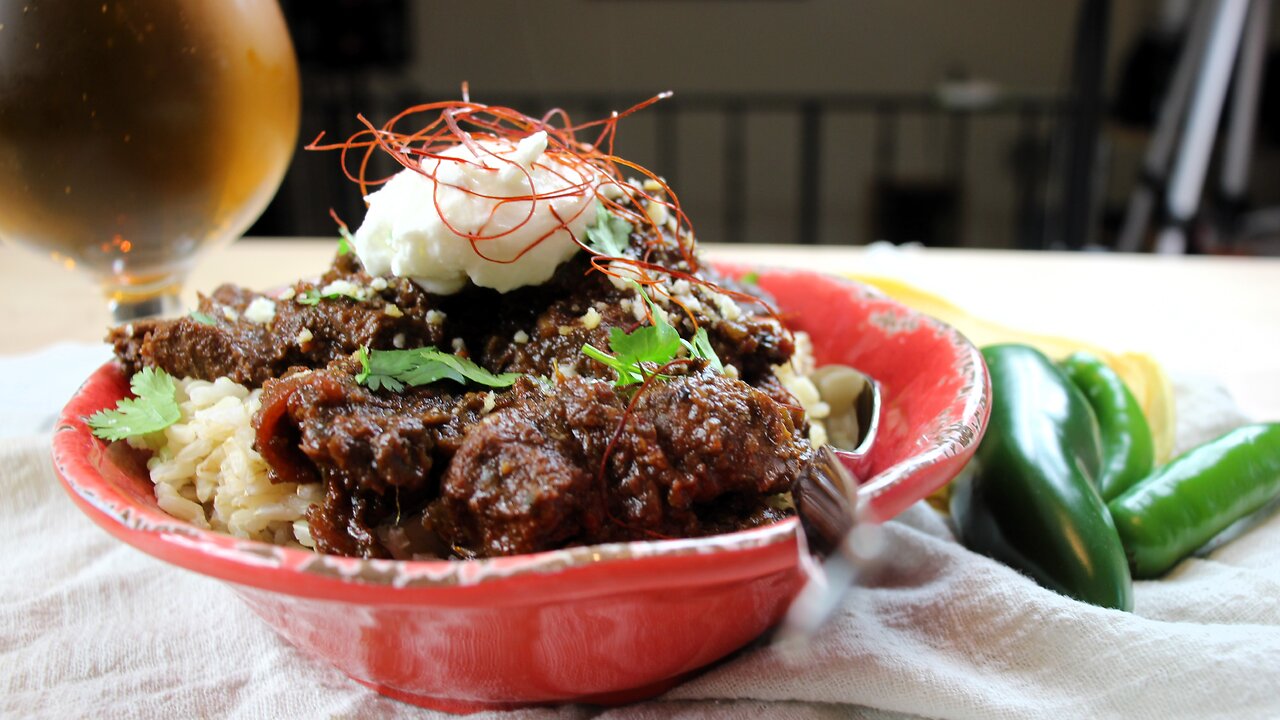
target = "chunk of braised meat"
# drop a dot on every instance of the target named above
(692, 439)
(528, 478)
(524, 479)
(376, 453)
(226, 343)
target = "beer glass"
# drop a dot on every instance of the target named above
(136, 133)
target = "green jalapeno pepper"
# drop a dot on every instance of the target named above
(1198, 494)
(1128, 452)
(1027, 497)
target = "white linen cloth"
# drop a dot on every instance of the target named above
(90, 627)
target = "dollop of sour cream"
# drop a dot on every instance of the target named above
(417, 227)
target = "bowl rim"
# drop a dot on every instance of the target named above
(772, 547)
(876, 501)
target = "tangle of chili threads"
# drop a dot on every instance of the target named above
(591, 161)
(594, 163)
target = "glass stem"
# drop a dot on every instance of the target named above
(127, 308)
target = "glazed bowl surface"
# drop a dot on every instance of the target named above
(603, 623)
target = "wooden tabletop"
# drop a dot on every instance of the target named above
(1213, 316)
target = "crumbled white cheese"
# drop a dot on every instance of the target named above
(490, 401)
(657, 212)
(261, 311)
(230, 313)
(378, 284)
(591, 320)
(458, 345)
(398, 340)
(304, 336)
(691, 303)
(725, 305)
(521, 337)
(564, 330)
(345, 288)
(435, 317)
(287, 293)
(392, 310)
(611, 191)
(623, 276)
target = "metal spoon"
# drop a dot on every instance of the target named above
(827, 501)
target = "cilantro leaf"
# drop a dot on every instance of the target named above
(608, 234)
(153, 408)
(201, 318)
(394, 369)
(658, 343)
(751, 278)
(652, 343)
(700, 347)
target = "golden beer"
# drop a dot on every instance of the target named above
(133, 133)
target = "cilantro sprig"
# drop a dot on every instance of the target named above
(202, 318)
(657, 344)
(154, 407)
(608, 234)
(394, 369)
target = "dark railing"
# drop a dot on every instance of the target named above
(1027, 123)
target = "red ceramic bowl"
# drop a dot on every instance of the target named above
(606, 623)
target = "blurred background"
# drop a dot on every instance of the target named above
(984, 123)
